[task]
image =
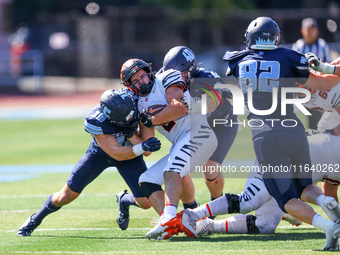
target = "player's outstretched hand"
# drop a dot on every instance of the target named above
(316, 64)
(129, 131)
(152, 144)
(145, 118)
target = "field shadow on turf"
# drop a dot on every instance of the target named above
(248, 237)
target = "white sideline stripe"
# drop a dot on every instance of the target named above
(46, 195)
(106, 229)
(76, 229)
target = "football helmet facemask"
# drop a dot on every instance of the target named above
(182, 59)
(131, 67)
(263, 33)
(120, 107)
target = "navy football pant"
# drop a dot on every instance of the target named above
(95, 161)
(282, 156)
(225, 135)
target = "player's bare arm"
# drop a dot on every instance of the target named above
(174, 109)
(111, 146)
(322, 82)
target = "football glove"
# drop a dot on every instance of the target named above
(129, 131)
(185, 101)
(316, 64)
(152, 144)
(146, 119)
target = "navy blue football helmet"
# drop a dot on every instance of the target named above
(263, 33)
(120, 107)
(131, 67)
(182, 59)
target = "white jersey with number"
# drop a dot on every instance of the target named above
(174, 129)
(324, 100)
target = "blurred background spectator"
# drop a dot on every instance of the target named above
(91, 39)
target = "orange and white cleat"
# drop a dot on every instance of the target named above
(165, 230)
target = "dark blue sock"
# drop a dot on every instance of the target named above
(128, 199)
(213, 198)
(191, 205)
(47, 208)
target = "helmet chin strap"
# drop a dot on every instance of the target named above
(145, 89)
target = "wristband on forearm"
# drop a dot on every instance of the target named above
(137, 149)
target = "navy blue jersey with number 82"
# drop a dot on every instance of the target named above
(262, 72)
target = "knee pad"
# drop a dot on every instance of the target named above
(233, 203)
(148, 188)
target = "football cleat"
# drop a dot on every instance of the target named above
(28, 227)
(291, 220)
(205, 226)
(189, 219)
(165, 230)
(123, 213)
(332, 236)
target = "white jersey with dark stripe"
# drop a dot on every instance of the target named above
(324, 100)
(325, 155)
(174, 129)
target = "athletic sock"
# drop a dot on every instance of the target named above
(47, 208)
(321, 223)
(169, 212)
(237, 224)
(216, 207)
(128, 199)
(214, 198)
(191, 205)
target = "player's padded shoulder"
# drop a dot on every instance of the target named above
(293, 55)
(94, 121)
(171, 77)
(205, 73)
(235, 55)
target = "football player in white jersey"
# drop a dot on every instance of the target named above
(200, 80)
(328, 102)
(325, 155)
(164, 104)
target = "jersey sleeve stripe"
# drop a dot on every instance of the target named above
(171, 79)
(92, 129)
(335, 101)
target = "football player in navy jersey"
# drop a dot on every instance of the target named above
(112, 124)
(262, 70)
(200, 80)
